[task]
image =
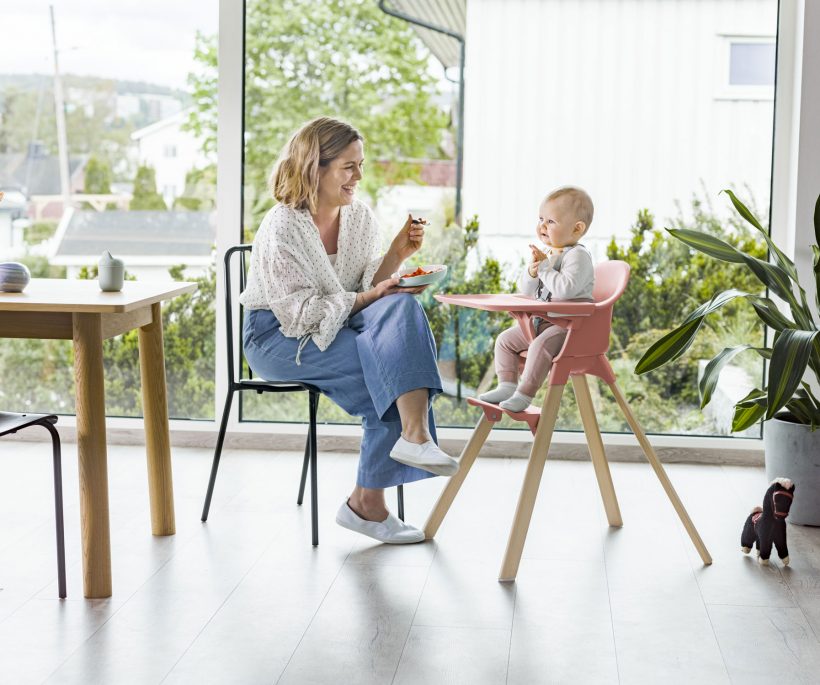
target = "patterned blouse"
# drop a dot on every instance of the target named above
(291, 273)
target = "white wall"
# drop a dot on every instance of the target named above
(171, 170)
(617, 96)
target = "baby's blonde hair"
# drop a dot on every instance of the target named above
(295, 178)
(578, 202)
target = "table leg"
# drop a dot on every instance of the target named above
(93, 458)
(155, 411)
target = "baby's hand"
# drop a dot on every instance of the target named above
(537, 255)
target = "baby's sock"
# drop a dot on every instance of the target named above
(504, 391)
(518, 402)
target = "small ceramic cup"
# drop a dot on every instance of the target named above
(111, 273)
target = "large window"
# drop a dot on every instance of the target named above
(107, 150)
(618, 97)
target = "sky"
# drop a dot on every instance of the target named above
(149, 40)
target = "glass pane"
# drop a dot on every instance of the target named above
(129, 167)
(632, 118)
(382, 79)
(752, 64)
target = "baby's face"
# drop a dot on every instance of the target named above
(556, 226)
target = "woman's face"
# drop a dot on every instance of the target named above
(337, 180)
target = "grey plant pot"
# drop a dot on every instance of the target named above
(793, 451)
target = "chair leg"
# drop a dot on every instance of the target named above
(305, 463)
(314, 490)
(400, 497)
(596, 450)
(58, 508)
(223, 426)
(661, 473)
(532, 480)
(465, 463)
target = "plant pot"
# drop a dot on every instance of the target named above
(793, 451)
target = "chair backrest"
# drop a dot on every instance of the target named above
(591, 338)
(236, 362)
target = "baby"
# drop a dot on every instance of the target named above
(564, 272)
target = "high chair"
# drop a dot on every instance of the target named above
(583, 353)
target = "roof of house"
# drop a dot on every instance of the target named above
(166, 236)
(446, 14)
(37, 175)
(175, 120)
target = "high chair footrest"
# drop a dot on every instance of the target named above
(494, 413)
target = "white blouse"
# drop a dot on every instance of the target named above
(573, 280)
(292, 275)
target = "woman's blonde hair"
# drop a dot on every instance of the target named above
(295, 178)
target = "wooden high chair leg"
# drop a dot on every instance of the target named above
(661, 473)
(468, 456)
(532, 480)
(596, 449)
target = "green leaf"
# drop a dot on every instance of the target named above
(790, 356)
(749, 410)
(782, 260)
(715, 303)
(709, 245)
(817, 221)
(712, 372)
(773, 277)
(769, 313)
(669, 347)
(801, 409)
(816, 251)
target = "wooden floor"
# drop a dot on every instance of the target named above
(246, 599)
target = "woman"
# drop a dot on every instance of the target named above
(325, 310)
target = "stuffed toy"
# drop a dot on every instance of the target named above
(767, 524)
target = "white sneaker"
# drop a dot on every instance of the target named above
(393, 531)
(426, 456)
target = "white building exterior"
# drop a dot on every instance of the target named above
(171, 151)
(630, 99)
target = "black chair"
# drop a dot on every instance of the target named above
(238, 382)
(11, 423)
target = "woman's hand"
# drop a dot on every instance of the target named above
(409, 239)
(389, 286)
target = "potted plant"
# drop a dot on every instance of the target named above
(786, 402)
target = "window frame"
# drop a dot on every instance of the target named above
(789, 148)
(724, 90)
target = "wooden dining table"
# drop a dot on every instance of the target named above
(78, 310)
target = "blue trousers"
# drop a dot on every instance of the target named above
(384, 351)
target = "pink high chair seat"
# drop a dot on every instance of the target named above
(583, 353)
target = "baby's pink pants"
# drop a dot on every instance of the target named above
(540, 353)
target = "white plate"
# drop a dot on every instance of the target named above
(439, 271)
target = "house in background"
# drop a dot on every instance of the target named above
(149, 242)
(641, 102)
(36, 175)
(171, 151)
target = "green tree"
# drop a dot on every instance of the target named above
(200, 190)
(345, 58)
(145, 190)
(97, 177)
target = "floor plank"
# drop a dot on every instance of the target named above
(245, 598)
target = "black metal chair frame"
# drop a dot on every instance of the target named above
(13, 422)
(238, 382)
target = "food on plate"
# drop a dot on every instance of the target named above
(418, 272)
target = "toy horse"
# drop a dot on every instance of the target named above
(767, 524)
